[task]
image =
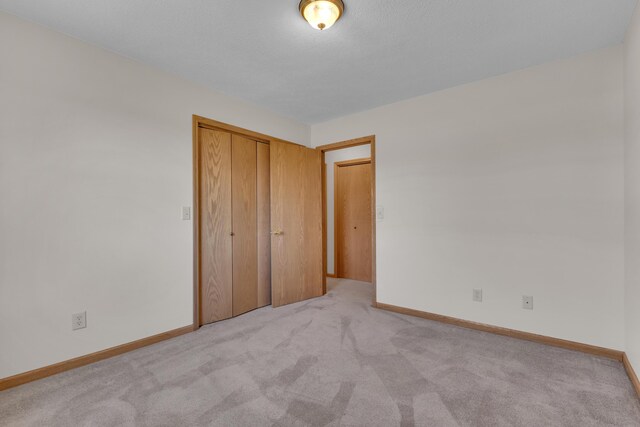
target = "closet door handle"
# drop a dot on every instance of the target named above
(277, 233)
(232, 234)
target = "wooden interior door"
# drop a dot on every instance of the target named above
(215, 240)
(245, 224)
(296, 223)
(353, 219)
(264, 226)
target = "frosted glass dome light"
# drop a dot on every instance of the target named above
(321, 14)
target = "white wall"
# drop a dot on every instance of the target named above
(331, 157)
(632, 168)
(512, 184)
(95, 164)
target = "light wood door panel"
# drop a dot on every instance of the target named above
(216, 280)
(245, 224)
(353, 221)
(264, 226)
(312, 240)
(296, 220)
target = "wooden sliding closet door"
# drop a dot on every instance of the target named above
(264, 226)
(245, 224)
(296, 219)
(216, 280)
(259, 222)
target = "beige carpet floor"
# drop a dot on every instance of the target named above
(332, 361)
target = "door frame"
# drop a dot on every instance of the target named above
(197, 123)
(336, 166)
(366, 140)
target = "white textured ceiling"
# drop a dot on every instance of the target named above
(380, 52)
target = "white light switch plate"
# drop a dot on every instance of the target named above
(379, 212)
(186, 213)
(477, 295)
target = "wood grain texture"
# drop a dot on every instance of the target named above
(204, 122)
(264, 225)
(372, 140)
(286, 220)
(296, 219)
(348, 143)
(632, 374)
(57, 368)
(245, 224)
(215, 218)
(312, 241)
(542, 339)
(196, 221)
(324, 223)
(353, 220)
(198, 124)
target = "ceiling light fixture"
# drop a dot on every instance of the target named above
(321, 14)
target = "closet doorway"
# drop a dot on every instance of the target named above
(257, 221)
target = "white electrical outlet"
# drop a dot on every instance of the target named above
(527, 302)
(186, 213)
(79, 321)
(477, 295)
